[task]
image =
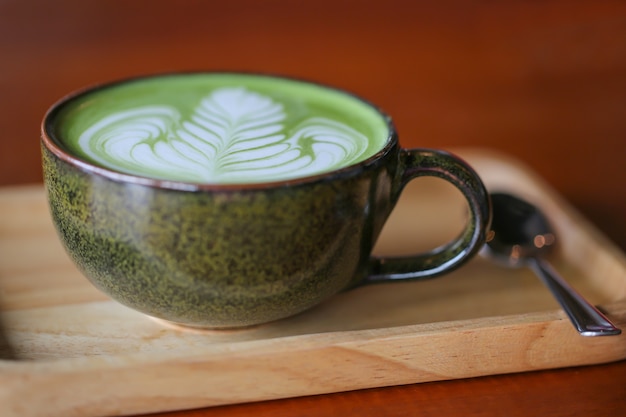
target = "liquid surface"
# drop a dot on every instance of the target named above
(220, 128)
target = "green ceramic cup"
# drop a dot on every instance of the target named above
(241, 253)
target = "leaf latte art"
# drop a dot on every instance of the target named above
(233, 135)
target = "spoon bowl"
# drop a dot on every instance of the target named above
(521, 236)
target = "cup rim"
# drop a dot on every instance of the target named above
(54, 145)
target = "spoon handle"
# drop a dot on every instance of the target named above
(589, 321)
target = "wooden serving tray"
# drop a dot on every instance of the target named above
(67, 350)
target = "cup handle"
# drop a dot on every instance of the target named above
(416, 163)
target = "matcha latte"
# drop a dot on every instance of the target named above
(220, 128)
(224, 200)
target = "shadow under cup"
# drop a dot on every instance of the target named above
(234, 255)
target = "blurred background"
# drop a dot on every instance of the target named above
(544, 81)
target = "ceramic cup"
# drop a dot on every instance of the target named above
(227, 255)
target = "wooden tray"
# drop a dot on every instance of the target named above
(67, 350)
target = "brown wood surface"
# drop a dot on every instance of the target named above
(543, 81)
(482, 319)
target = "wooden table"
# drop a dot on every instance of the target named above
(542, 81)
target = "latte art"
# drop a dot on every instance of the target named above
(219, 128)
(233, 135)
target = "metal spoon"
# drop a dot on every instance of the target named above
(520, 236)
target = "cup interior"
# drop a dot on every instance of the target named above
(216, 129)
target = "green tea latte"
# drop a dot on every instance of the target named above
(220, 128)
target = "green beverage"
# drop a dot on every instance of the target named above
(220, 128)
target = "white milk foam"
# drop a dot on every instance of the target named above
(233, 135)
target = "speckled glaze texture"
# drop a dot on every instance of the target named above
(219, 258)
(238, 255)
